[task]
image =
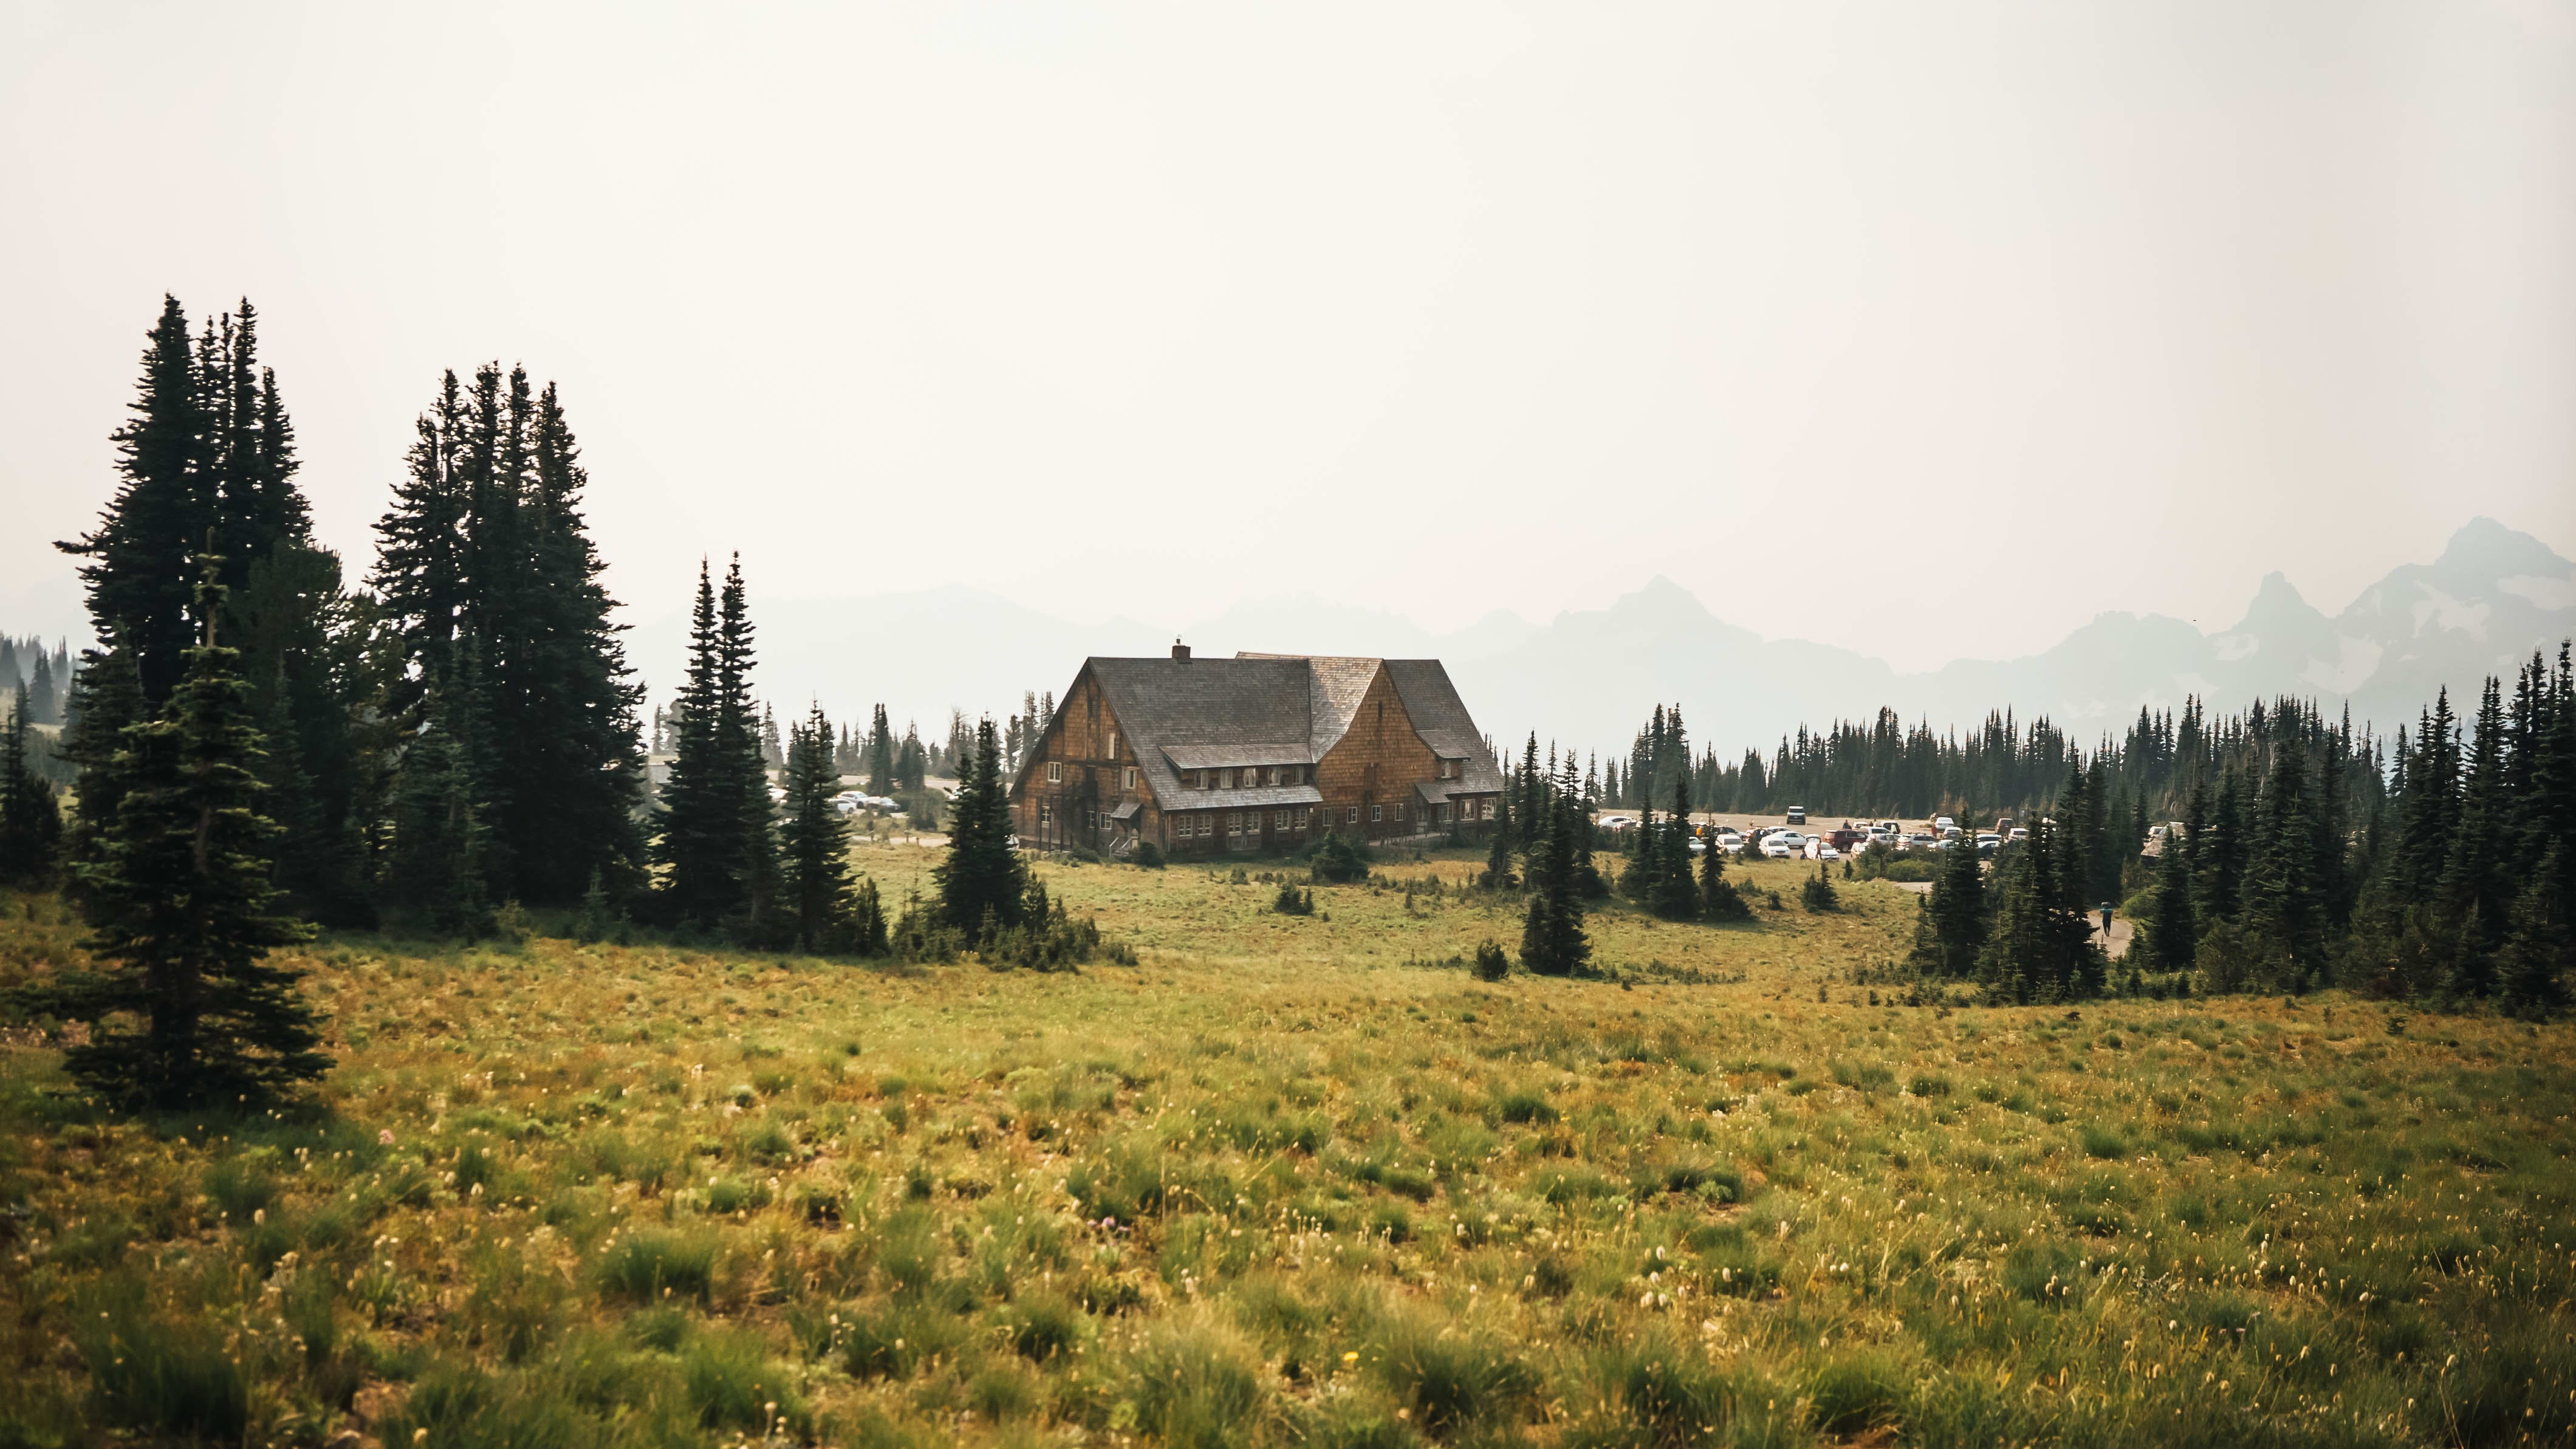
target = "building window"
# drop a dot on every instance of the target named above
(1113, 744)
(1354, 816)
(1127, 778)
(1280, 821)
(1377, 812)
(1486, 809)
(1055, 773)
(1301, 817)
(1225, 779)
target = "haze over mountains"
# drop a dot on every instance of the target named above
(1590, 676)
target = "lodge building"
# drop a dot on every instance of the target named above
(1257, 752)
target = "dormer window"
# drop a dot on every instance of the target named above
(1055, 772)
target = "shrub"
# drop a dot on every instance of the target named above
(1491, 963)
(1291, 901)
(1337, 860)
(1149, 856)
(1525, 1106)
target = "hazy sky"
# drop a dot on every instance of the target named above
(1930, 330)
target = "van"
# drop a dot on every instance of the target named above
(1797, 814)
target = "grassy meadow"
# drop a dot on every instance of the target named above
(1298, 1180)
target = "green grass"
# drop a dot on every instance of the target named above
(1284, 1182)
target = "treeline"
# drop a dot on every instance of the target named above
(260, 745)
(1886, 768)
(45, 674)
(2295, 864)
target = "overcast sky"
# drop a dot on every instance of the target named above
(1929, 330)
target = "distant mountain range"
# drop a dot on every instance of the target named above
(1590, 676)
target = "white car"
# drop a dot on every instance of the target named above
(1730, 842)
(1783, 844)
(1826, 851)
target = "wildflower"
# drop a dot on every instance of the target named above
(385, 1138)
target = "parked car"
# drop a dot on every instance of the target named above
(2018, 833)
(1944, 824)
(1730, 842)
(1826, 851)
(1797, 814)
(1783, 845)
(1617, 822)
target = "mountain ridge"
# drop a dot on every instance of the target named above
(1589, 676)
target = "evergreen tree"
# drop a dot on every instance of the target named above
(814, 846)
(2537, 953)
(2173, 932)
(1817, 894)
(138, 569)
(434, 861)
(1954, 917)
(983, 884)
(881, 756)
(2474, 881)
(2224, 859)
(31, 824)
(182, 908)
(2281, 904)
(419, 577)
(1552, 938)
(1498, 857)
(1719, 900)
(1533, 802)
(36, 703)
(715, 814)
(1674, 896)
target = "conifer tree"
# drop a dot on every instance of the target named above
(2474, 882)
(2173, 932)
(1498, 857)
(1552, 938)
(2537, 951)
(137, 570)
(814, 846)
(1674, 896)
(31, 824)
(715, 814)
(881, 755)
(2281, 905)
(983, 884)
(189, 1011)
(434, 860)
(1533, 802)
(1719, 900)
(37, 705)
(1954, 917)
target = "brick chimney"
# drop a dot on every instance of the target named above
(1180, 650)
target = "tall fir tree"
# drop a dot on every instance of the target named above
(714, 839)
(189, 1010)
(2173, 930)
(31, 823)
(982, 884)
(1953, 932)
(434, 863)
(1675, 896)
(814, 845)
(1553, 942)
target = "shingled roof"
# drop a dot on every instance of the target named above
(1273, 709)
